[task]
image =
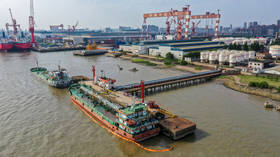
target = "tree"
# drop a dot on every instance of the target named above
(169, 56)
(245, 47)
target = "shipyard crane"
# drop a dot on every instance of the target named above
(183, 18)
(55, 27)
(71, 29)
(14, 24)
(32, 22)
(194, 26)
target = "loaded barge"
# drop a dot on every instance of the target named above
(125, 116)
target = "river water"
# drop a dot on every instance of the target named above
(39, 121)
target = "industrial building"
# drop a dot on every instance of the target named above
(259, 65)
(177, 47)
(274, 50)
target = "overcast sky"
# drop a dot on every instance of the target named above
(97, 14)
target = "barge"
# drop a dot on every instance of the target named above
(132, 121)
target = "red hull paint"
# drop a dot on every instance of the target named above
(140, 137)
(5, 46)
(23, 45)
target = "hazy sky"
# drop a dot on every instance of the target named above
(96, 14)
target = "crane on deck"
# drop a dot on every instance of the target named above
(32, 22)
(183, 19)
(14, 24)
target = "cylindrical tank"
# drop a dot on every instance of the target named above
(212, 58)
(252, 54)
(202, 56)
(232, 60)
(275, 51)
(222, 59)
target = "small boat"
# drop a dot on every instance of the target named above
(134, 70)
(120, 68)
(57, 78)
(268, 105)
(277, 108)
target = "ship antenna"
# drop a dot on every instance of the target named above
(59, 68)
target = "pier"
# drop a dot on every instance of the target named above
(160, 85)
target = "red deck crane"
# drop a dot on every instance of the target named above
(14, 24)
(32, 22)
(183, 18)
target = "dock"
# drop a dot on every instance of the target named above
(56, 49)
(160, 85)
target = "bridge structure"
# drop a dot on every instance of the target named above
(175, 82)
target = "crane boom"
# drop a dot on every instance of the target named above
(32, 22)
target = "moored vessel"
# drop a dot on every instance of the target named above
(57, 78)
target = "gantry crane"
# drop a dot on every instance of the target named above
(183, 18)
(57, 26)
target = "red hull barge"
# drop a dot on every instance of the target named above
(5, 46)
(113, 128)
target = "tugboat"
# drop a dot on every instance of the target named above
(58, 78)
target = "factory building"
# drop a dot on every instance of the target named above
(259, 65)
(177, 47)
(227, 57)
(274, 50)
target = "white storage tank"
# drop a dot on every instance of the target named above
(275, 51)
(222, 59)
(252, 54)
(232, 60)
(212, 58)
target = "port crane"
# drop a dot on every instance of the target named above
(183, 19)
(71, 29)
(14, 24)
(53, 27)
(32, 22)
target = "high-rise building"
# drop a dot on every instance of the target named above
(278, 22)
(255, 23)
(245, 25)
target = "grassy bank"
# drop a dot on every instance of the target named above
(232, 83)
(274, 82)
(138, 60)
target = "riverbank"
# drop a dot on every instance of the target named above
(234, 82)
(158, 62)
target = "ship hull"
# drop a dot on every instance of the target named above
(21, 47)
(15, 47)
(5, 46)
(136, 138)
